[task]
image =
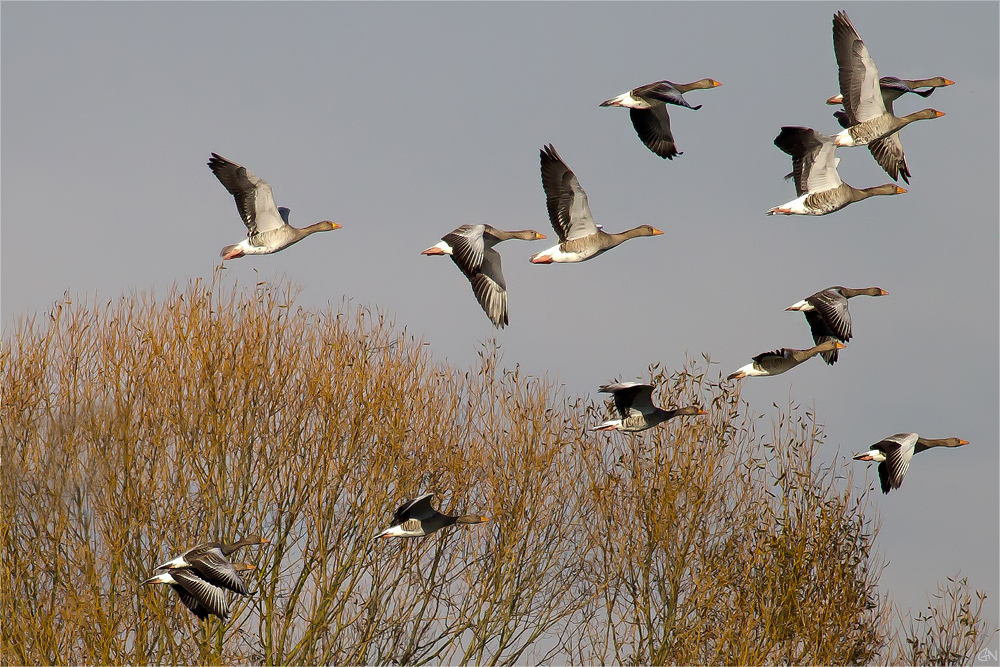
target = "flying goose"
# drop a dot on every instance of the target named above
(634, 402)
(267, 226)
(211, 562)
(779, 361)
(416, 518)
(828, 317)
(647, 107)
(471, 248)
(892, 88)
(888, 150)
(894, 453)
(866, 112)
(198, 595)
(579, 238)
(814, 169)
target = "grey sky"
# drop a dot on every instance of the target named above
(403, 121)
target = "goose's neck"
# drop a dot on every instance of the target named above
(523, 234)
(849, 293)
(468, 519)
(612, 240)
(857, 194)
(802, 355)
(927, 443)
(701, 84)
(923, 83)
(230, 548)
(321, 226)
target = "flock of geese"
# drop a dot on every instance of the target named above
(203, 575)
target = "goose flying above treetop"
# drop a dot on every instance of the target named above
(647, 107)
(580, 238)
(471, 248)
(268, 230)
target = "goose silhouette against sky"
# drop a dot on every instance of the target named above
(893, 455)
(780, 361)
(471, 248)
(268, 230)
(580, 238)
(647, 106)
(814, 171)
(867, 115)
(828, 316)
(888, 150)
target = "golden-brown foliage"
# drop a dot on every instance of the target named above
(133, 431)
(950, 631)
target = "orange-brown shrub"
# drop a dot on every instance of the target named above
(137, 429)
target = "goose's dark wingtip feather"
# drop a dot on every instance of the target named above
(217, 162)
(796, 141)
(549, 152)
(842, 118)
(664, 149)
(883, 477)
(842, 21)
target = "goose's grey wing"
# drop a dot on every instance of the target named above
(653, 127)
(892, 89)
(770, 360)
(814, 163)
(643, 399)
(467, 248)
(888, 152)
(254, 200)
(417, 508)
(832, 307)
(569, 211)
(209, 596)
(216, 569)
(898, 452)
(490, 289)
(631, 398)
(822, 171)
(190, 602)
(821, 333)
(859, 80)
(663, 91)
